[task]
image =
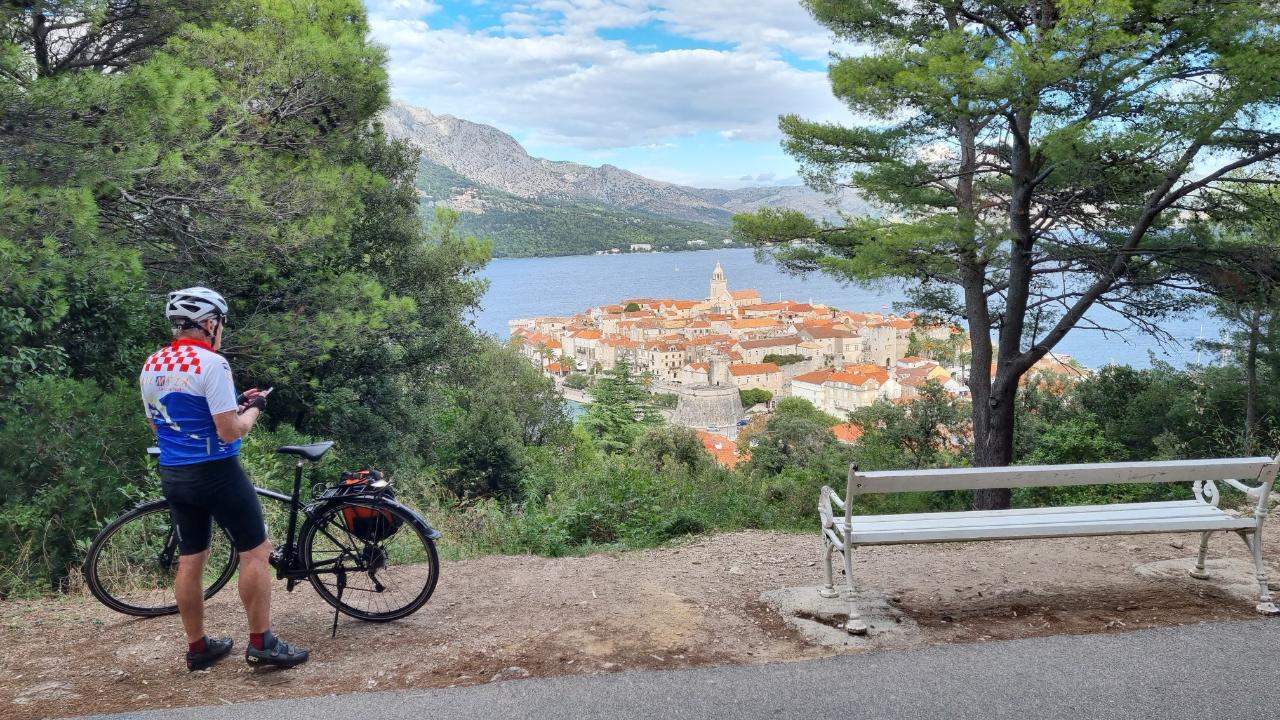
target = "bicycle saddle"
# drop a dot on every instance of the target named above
(313, 452)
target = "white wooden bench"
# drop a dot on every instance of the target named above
(1253, 476)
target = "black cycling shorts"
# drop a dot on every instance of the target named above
(217, 490)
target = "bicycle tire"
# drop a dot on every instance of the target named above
(100, 589)
(325, 522)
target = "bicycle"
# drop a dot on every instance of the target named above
(355, 544)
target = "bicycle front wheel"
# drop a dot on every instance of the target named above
(380, 570)
(132, 564)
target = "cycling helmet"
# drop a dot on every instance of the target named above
(190, 306)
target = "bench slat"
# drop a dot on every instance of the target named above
(1161, 471)
(1065, 510)
(1033, 517)
(900, 537)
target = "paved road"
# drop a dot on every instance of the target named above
(1220, 670)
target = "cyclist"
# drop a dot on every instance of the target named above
(190, 399)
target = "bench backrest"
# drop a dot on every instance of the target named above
(1258, 469)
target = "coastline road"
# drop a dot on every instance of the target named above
(1214, 670)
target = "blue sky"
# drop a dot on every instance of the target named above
(686, 91)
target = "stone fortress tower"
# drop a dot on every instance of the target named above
(715, 406)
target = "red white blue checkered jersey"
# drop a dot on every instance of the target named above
(183, 386)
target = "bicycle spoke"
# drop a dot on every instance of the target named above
(380, 577)
(136, 564)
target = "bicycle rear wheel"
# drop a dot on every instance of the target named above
(132, 564)
(371, 578)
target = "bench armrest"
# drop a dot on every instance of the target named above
(827, 500)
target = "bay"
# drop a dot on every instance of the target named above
(525, 287)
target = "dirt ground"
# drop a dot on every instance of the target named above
(691, 604)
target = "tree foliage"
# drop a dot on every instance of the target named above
(754, 396)
(1033, 160)
(147, 145)
(620, 408)
(929, 431)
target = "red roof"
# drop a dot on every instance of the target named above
(880, 374)
(847, 433)
(724, 450)
(770, 342)
(821, 333)
(753, 369)
(817, 377)
(856, 379)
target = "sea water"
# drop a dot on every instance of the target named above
(525, 287)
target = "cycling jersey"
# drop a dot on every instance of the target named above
(183, 386)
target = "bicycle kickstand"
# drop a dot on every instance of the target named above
(342, 585)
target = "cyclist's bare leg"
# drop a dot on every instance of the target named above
(188, 588)
(255, 586)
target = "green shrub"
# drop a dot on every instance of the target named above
(74, 456)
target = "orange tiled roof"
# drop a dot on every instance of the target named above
(710, 340)
(588, 335)
(917, 377)
(744, 294)
(855, 379)
(820, 333)
(817, 377)
(876, 372)
(724, 450)
(753, 369)
(753, 323)
(619, 341)
(847, 433)
(770, 342)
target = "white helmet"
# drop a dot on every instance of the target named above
(195, 304)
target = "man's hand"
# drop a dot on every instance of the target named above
(253, 398)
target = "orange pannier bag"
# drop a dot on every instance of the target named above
(367, 523)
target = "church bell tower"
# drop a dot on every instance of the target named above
(719, 286)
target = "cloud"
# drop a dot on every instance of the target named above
(404, 9)
(775, 24)
(588, 92)
(765, 177)
(783, 24)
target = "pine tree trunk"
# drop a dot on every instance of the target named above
(1251, 383)
(993, 443)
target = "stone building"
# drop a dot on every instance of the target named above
(715, 406)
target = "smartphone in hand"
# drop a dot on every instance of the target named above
(245, 403)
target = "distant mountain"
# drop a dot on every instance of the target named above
(532, 206)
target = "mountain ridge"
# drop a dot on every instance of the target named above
(487, 175)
